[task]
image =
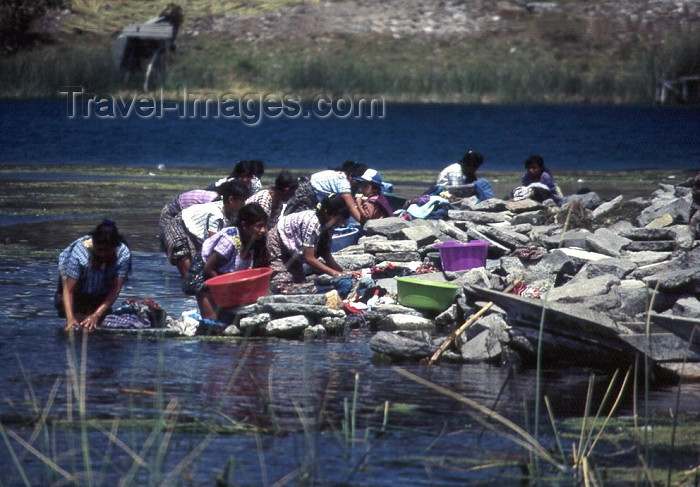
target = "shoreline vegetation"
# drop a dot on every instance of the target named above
(476, 52)
(44, 206)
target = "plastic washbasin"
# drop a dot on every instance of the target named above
(240, 288)
(424, 294)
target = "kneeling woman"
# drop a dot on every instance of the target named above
(301, 238)
(93, 270)
(233, 249)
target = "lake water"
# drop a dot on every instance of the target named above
(299, 390)
(399, 136)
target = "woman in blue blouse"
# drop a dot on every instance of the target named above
(93, 270)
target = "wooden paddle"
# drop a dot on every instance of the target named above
(469, 323)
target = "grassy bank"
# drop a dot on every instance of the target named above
(544, 58)
(460, 73)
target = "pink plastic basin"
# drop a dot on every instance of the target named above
(459, 256)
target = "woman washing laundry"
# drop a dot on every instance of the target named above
(464, 172)
(305, 238)
(231, 249)
(312, 190)
(92, 271)
(537, 182)
(371, 201)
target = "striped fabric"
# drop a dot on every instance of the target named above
(74, 262)
(227, 243)
(203, 219)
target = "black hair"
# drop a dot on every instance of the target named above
(258, 168)
(472, 158)
(251, 213)
(538, 161)
(243, 166)
(353, 168)
(236, 189)
(285, 179)
(334, 205)
(107, 233)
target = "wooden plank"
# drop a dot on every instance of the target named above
(148, 31)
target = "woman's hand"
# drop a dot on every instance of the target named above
(357, 274)
(90, 322)
(70, 324)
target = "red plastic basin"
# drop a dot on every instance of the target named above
(240, 288)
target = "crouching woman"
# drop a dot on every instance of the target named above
(305, 238)
(233, 249)
(92, 271)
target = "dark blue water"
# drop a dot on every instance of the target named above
(300, 390)
(406, 136)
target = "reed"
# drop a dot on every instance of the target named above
(381, 66)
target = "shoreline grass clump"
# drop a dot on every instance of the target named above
(464, 72)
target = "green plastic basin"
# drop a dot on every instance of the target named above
(424, 294)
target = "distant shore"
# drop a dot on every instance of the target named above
(43, 208)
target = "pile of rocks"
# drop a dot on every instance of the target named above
(604, 261)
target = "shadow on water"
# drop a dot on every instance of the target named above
(299, 391)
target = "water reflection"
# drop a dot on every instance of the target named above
(300, 389)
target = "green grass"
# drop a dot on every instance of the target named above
(399, 69)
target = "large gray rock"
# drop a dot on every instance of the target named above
(619, 268)
(634, 299)
(397, 257)
(491, 204)
(589, 200)
(288, 327)
(524, 206)
(647, 258)
(484, 341)
(678, 208)
(450, 229)
(606, 242)
(389, 227)
(650, 246)
(477, 216)
(355, 261)
(398, 346)
(649, 234)
(333, 326)
(314, 299)
(316, 332)
(378, 313)
(571, 238)
(530, 217)
(504, 237)
(255, 324)
(688, 307)
(447, 320)
(406, 322)
(608, 207)
(578, 290)
(684, 280)
(311, 310)
(422, 234)
(388, 246)
(472, 277)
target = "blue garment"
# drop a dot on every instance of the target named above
(483, 188)
(75, 260)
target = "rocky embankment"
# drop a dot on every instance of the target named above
(514, 21)
(597, 264)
